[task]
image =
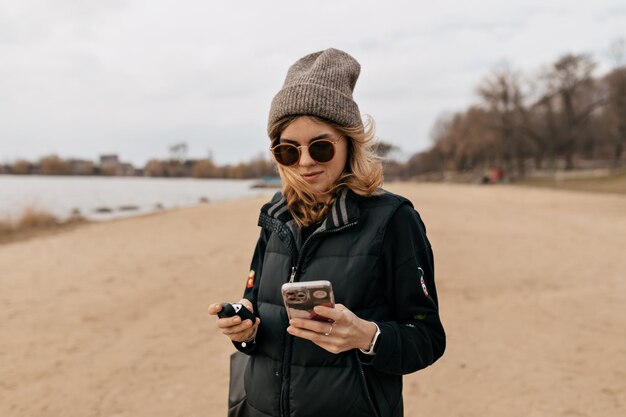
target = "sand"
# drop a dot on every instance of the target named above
(110, 319)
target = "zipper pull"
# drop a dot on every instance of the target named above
(293, 273)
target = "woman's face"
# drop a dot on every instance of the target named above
(320, 176)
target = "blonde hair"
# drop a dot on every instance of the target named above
(363, 173)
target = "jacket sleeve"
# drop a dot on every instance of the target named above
(415, 338)
(251, 289)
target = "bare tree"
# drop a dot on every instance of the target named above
(53, 165)
(502, 96)
(571, 88)
(444, 141)
(383, 149)
(463, 142)
(178, 152)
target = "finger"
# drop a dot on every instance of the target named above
(215, 308)
(329, 312)
(313, 325)
(228, 322)
(241, 327)
(311, 335)
(330, 343)
(246, 333)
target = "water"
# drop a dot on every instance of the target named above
(61, 196)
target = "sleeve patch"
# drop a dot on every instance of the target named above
(424, 286)
(423, 282)
(250, 282)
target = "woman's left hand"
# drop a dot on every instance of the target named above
(346, 332)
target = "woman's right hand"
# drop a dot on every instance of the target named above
(233, 327)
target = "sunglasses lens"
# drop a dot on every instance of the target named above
(322, 150)
(286, 154)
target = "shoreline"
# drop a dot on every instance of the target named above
(71, 224)
(63, 226)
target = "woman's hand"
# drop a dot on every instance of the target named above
(345, 333)
(233, 327)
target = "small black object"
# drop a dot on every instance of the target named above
(229, 310)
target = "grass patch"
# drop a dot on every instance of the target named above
(614, 183)
(33, 223)
(32, 218)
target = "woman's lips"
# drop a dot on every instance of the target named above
(312, 176)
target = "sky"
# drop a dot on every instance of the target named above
(81, 78)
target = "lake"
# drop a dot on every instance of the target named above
(103, 198)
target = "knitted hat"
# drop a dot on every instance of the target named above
(320, 84)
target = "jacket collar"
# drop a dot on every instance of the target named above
(345, 210)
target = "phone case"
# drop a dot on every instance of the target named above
(301, 297)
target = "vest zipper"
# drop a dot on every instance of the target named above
(294, 269)
(284, 401)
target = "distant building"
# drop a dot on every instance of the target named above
(108, 165)
(125, 169)
(109, 160)
(81, 166)
(111, 165)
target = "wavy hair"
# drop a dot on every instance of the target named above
(363, 173)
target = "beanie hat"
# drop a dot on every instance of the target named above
(320, 84)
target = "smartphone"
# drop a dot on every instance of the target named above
(301, 297)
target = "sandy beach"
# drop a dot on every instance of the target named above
(109, 319)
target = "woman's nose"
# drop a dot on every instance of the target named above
(305, 157)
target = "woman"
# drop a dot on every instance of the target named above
(333, 222)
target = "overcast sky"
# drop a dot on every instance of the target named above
(80, 78)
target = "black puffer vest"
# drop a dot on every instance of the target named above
(289, 376)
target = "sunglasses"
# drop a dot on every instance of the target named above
(321, 150)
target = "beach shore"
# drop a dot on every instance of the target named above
(109, 319)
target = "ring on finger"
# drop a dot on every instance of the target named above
(329, 330)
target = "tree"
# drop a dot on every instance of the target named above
(571, 85)
(153, 168)
(383, 149)
(260, 166)
(443, 137)
(464, 141)
(501, 95)
(178, 152)
(21, 167)
(53, 165)
(429, 161)
(204, 168)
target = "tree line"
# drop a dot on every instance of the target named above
(173, 167)
(558, 119)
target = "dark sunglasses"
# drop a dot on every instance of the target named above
(321, 150)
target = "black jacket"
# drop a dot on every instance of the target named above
(375, 252)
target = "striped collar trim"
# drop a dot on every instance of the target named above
(338, 214)
(343, 211)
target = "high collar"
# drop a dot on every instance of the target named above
(344, 210)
